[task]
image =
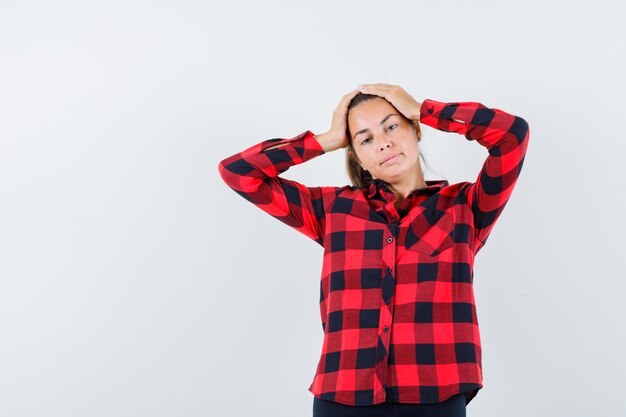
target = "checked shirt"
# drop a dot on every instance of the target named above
(396, 291)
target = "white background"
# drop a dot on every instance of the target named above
(133, 282)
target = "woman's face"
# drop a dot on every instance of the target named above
(380, 132)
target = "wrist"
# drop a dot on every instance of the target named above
(327, 141)
(416, 116)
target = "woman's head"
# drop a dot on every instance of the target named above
(377, 131)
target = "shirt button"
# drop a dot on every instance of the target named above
(385, 329)
(430, 111)
(389, 239)
(388, 270)
(387, 300)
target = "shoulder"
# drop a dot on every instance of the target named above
(456, 192)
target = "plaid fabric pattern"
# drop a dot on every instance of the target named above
(396, 297)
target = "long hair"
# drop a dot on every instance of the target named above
(357, 175)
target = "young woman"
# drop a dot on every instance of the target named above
(401, 335)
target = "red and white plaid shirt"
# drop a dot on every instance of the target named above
(396, 296)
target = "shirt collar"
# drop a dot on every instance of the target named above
(381, 187)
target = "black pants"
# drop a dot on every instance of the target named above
(452, 407)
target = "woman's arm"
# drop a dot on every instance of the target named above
(324, 139)
(254, 175)
(504, 135)
(506, 138)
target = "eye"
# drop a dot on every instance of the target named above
(365, 140)
(393, 126)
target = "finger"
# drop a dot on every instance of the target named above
(376, 87)
(379, 85)
(378, 91)
(352, 94)
(345, 100)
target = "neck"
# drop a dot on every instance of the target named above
(403, 188)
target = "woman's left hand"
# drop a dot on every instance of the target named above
(397, 96)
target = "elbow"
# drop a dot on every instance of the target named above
(221, 169)
(240, 175)
(520, 129)
(226, 173)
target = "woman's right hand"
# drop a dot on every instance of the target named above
(336, 137)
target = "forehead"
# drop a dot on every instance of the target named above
(370, 112)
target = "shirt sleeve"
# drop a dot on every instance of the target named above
(254, 175)
(506, 138)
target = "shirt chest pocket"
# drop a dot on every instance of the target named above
(430, 233)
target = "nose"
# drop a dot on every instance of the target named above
(384, 144)
(383, 141)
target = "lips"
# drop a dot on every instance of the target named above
(389, 158)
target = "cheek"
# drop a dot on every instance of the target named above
(368, 156)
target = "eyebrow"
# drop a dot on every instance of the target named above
(381, 122)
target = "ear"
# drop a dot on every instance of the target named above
(418, 131)
(353, 154)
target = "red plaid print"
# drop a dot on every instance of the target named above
(396, 292)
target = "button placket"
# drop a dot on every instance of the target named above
(386, 311)
(388, 283)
